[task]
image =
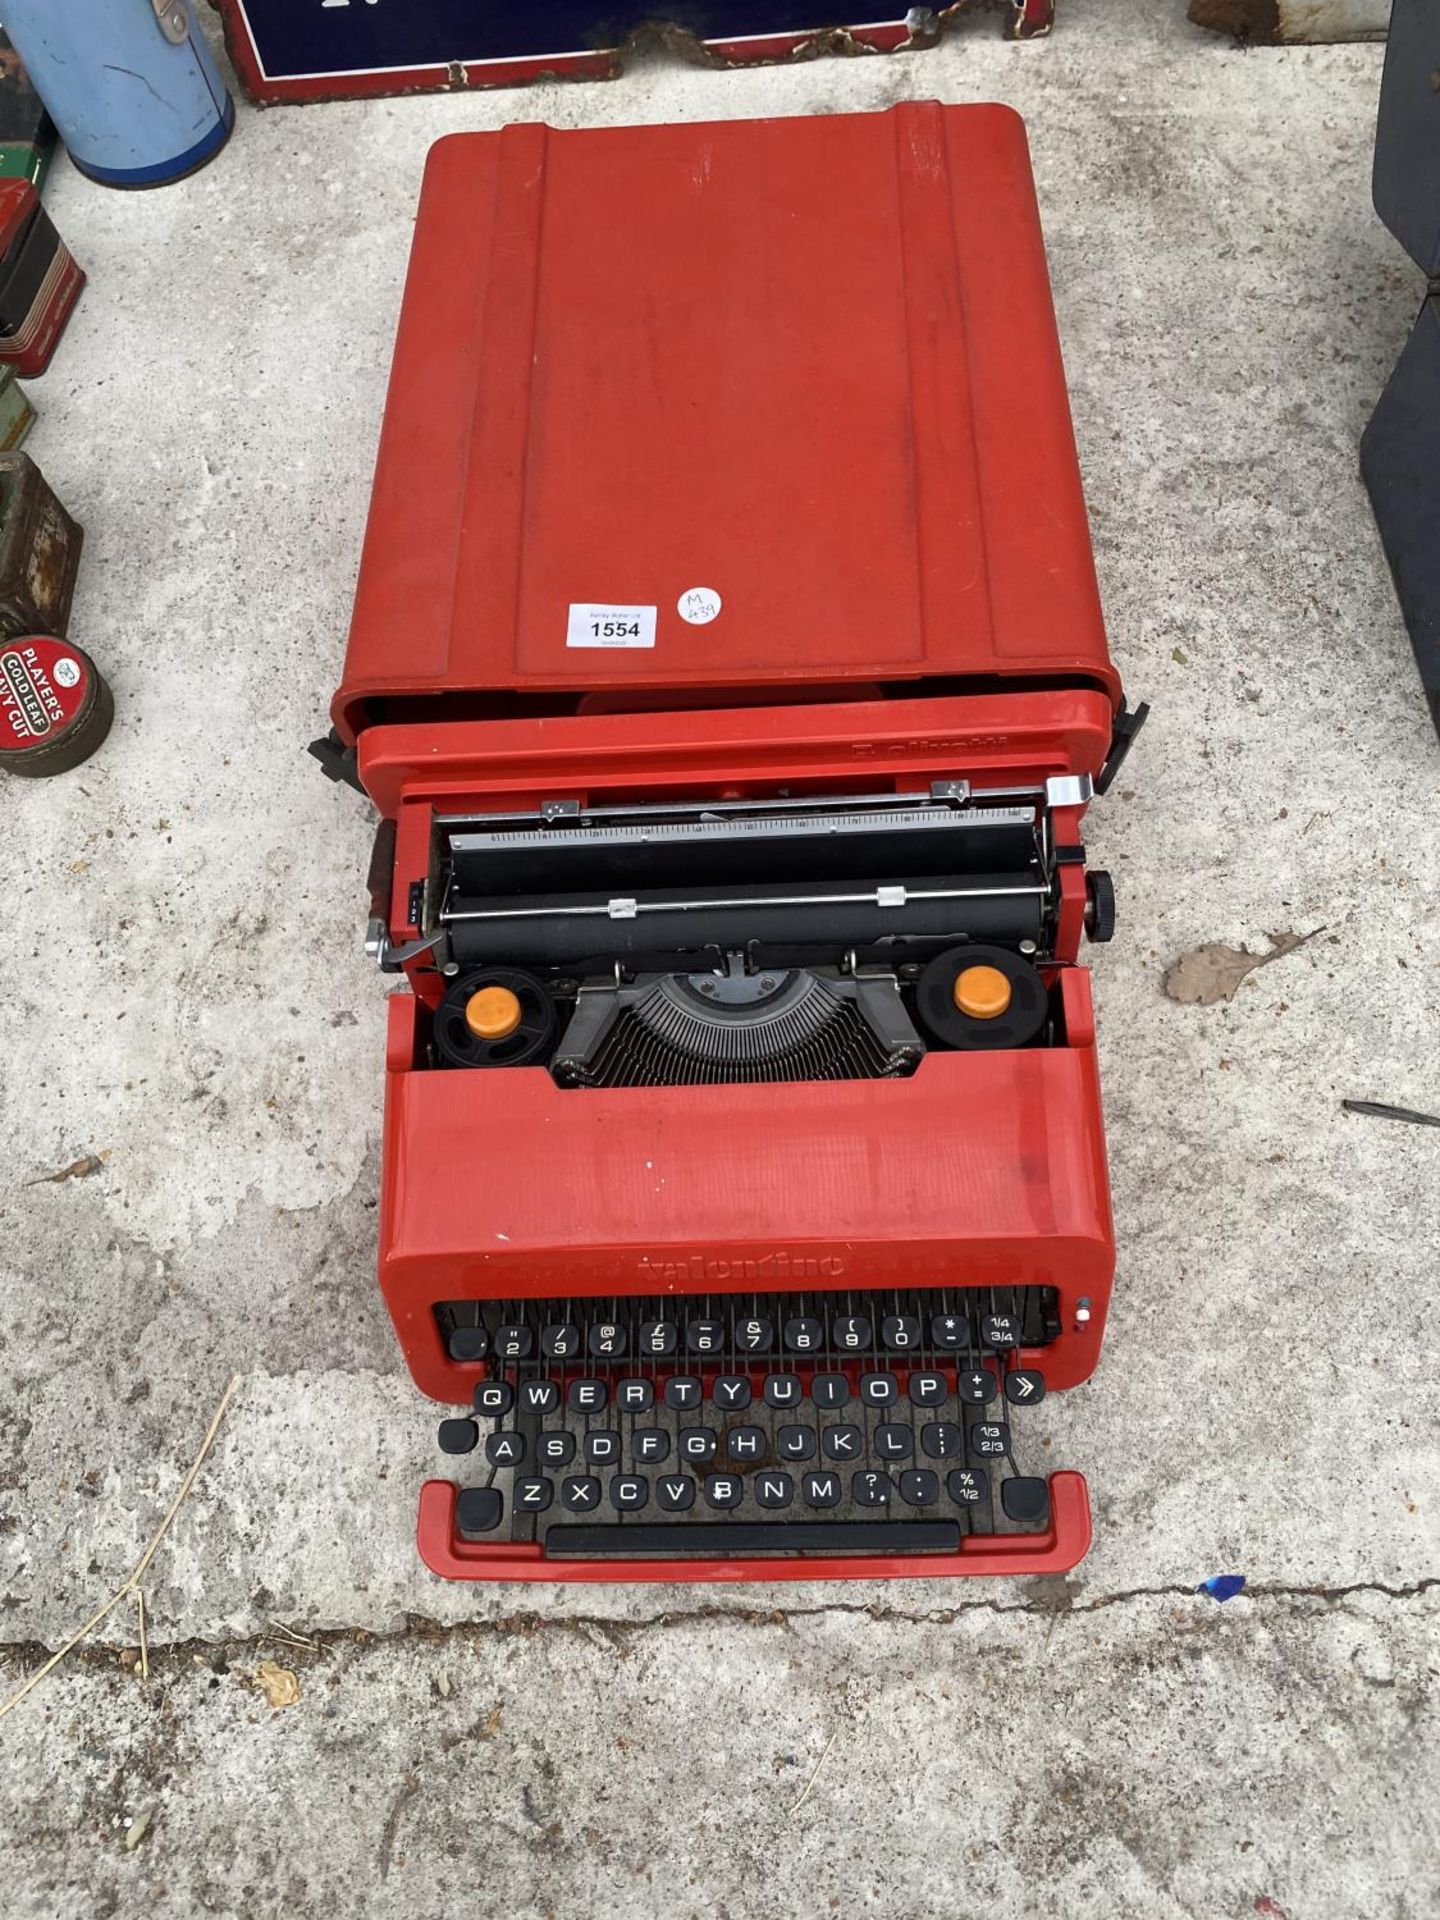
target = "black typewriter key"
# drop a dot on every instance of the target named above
(870, 1489)
(606, 1340)
(1025, 1387)
(513, 1343)
(820, 1489)
(587, 1396)
(634, 1396)
(468, 1343)
(894, 1443)
(602, 1448)
(804, 1334)
(919, 1487)
(927, 1389)
(704, 1336)
(478, 1510)
(942, 1440)
(989, 1440)
(555, 1449)
(774, 1489)
(977, 1389)
(629, 1492)
(494, 1397)
(539, 1396)
(533, 1496)
(784, 1390)
(560, 1342)
(950, 1331)
(658, 1338)
(675, 1493)
(1000, 1330)
(651, 1445)
(697, 1443)
(968, 1486)
(830, 1390)
(683, 1392)
(505, 1449)
(900, 1333)
(723, 1490)
(580, 1494)
(1025, 1500)
(850, 1333)
(879, 1389)
(731, 1392)
(797, 1443)
(745, 1443)
(754, 1336)
(841, 1443)
(459, 1436)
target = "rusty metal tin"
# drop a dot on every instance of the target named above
(39, 280)
(39, 551)
(55, 706)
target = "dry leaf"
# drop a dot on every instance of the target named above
(80, 1169)
(1207, 975)
(136, 1831)
(279, 1685)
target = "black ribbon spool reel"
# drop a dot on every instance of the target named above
(1018, 1025)
(532, 1038)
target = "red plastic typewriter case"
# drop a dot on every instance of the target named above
(728, 668)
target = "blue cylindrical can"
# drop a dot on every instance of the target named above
(131, 84)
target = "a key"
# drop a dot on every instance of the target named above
(468, 1343)
(704, 1336)
(675, 1493)
(533, 1496)
(919, 1487)
(634, 1396)
(850, 1333)
(478, 1510)
(494, 1398)
(1025, 1500)
(968, 1486)
(629, 1492)
(879, 1389)
(796, 1443)
(989, 1440)
(745, 1443)
(697, 1443)
(602, 1448)
(803, 1334)
(539, 1396)
(658, 1338)
(459, 1436)
(774, 1489)
(555, 1449)
(1000, 1330)
(783, 1390)
(650, 1445)
(754, 1336)
(976, 1389)
(1025, 1387)
(841, 1443)
(731, 1392)
(505, 1449)
(681, 1391)
(870, 1489)
(942, 1439)
(723, 1490)
(820, 1489)
(927, 1389)
(894, 1443)
(830, 1390)
(560, 1342)
(607, 1339)
(587, 1396)
(899, 1332)
(950, 1331)
(580, 1494)
(513, 1343)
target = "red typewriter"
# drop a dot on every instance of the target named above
(728, 670)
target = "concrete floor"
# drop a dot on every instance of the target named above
(187, 997)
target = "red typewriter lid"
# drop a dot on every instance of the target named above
(55, 707)
(755, 404)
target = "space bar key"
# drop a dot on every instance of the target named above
(721, 1538)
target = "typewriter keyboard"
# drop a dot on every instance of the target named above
(783, 1423)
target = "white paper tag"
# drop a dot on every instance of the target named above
(594, 625)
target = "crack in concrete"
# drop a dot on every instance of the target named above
(301, 1646)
